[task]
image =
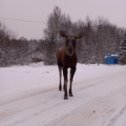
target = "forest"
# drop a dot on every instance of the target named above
(100, 38)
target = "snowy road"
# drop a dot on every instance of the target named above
(33, 99)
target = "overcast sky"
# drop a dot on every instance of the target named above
(39, 10)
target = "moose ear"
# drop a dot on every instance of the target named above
(63, 34)
(79, 36)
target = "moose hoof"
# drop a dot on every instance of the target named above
(71, 95)
(60, 89)
(65, 97)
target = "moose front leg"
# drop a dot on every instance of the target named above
(60, 75)
(65, 83)
(72, 72)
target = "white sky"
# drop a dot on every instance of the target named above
(39, 10)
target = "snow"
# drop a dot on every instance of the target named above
(29, 96)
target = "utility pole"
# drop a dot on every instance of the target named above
(100, 56)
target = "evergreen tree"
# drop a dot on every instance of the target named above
(122, 53)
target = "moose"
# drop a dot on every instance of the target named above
(67, 58)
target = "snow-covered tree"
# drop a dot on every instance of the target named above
(122, 53)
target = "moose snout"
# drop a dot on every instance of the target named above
(70, 51)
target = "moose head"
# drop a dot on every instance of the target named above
(70, 42)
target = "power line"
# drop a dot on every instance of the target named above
(22, 20)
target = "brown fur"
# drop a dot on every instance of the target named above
(64, 60)
(67, 58)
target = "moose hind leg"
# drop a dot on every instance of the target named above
(65, 83)
(60, 77)
(72, 72)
